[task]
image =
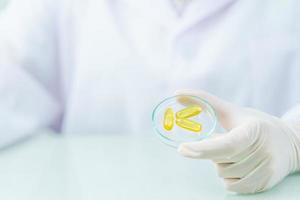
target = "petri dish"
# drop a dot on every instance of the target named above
(175, 134)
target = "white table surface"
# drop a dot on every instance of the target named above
(99, 167)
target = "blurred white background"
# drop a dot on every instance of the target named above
(2, 3)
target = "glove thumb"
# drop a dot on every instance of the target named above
(228, 114)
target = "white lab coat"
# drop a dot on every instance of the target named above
(100, 66)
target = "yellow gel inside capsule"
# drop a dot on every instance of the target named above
(189, 125)
(169, 119)
(189, 112)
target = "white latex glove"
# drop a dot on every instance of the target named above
(258, 151)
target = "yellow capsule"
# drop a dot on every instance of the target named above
(189, 125)
(169, 119)
(189, 112)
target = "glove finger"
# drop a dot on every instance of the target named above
(241, 155)
(225, 146)
(244, 167)
(228, 113)
(192, 154)
(256, 181)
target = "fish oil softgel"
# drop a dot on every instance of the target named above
(183, 118)
(189, 125)
(169, 119)
(189, 112)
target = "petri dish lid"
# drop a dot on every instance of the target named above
(177, 135)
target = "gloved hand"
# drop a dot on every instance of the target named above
(256, 153)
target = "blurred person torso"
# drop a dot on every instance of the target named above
(103, 65)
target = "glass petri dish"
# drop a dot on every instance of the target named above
(177, 135)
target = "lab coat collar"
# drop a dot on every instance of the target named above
(163, 13)
(197, 11)
(158, 11)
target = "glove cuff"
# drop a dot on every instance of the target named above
(294, 126)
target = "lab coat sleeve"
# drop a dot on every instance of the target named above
(292, 118)
(29, 91)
